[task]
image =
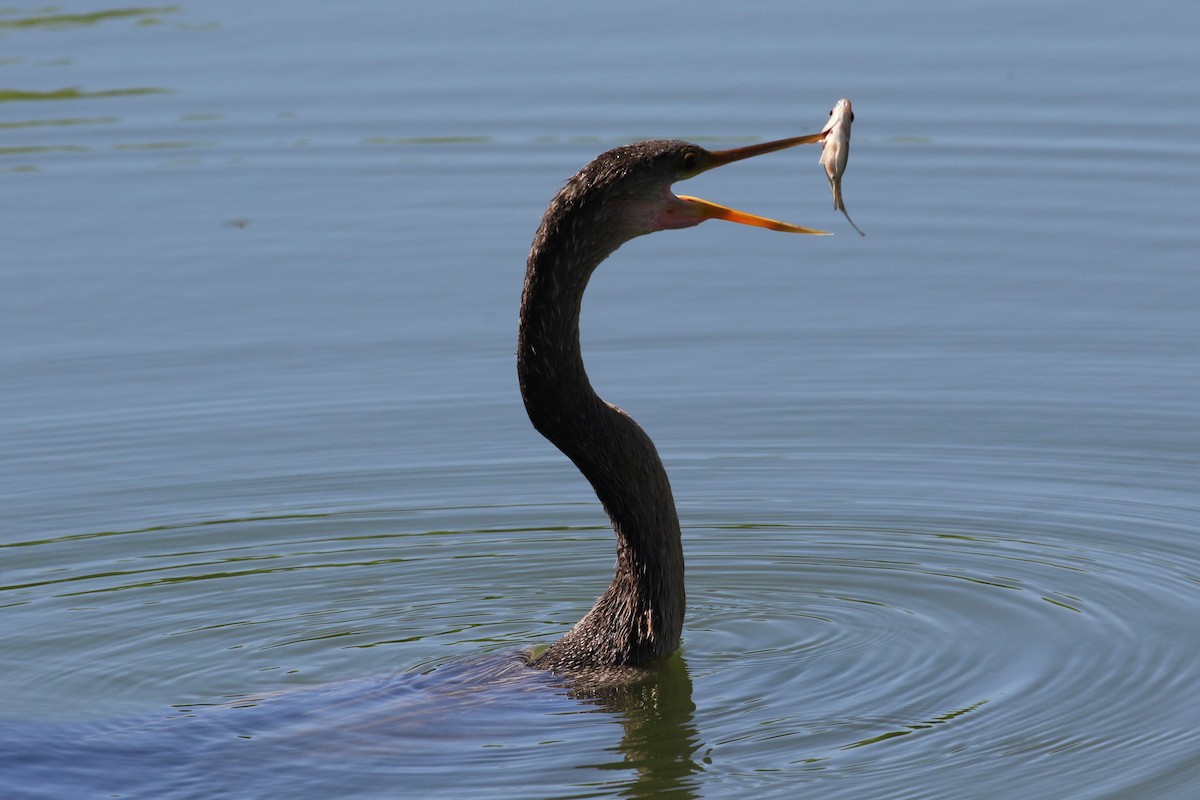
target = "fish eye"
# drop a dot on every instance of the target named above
(689, 160)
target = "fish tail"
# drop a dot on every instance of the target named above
(852, 225)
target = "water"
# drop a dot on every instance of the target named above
(275, 523)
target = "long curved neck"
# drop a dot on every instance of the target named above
(640, 616)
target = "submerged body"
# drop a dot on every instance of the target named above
(836, 153)
(622, 194)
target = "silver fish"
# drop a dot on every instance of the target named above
(836, 152)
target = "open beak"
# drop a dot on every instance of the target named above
(708, 210)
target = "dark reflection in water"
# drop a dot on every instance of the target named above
(142, 16)
(660, 737)
(911, 728)
(75, 93)
(366, 736)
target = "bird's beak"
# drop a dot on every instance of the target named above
(722, 157)
(708, 210)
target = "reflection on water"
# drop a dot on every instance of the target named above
(659, 739)
(74, 93)
(35, 123)
(15, 24)
(141, 16)
(916, 727)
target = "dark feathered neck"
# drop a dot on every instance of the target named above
(640, 616)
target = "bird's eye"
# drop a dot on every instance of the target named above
(689, 160)
(852, 116)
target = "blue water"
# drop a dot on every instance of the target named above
(275, 523)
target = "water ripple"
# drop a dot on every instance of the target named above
(884, 646)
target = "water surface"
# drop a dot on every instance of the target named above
(275, 522)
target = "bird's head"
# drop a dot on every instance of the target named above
(632, 185)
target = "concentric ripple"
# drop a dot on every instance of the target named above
(929, 658)
(854, 652)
